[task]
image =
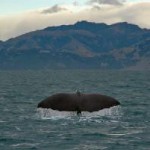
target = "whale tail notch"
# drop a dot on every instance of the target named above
(78, 111)
(78, 93)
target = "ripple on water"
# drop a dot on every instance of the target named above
(25, 145)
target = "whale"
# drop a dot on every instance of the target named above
(78, 102)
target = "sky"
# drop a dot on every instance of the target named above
(21, 16)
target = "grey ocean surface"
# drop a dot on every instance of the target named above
(22, 126)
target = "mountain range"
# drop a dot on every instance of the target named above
(83, 45)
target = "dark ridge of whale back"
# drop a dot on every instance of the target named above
(78, 102)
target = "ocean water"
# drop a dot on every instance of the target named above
(23, 126)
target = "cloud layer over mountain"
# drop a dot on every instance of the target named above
(108, 11)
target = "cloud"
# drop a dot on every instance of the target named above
(12, 26)
(109, 2)
(53, 9)
(96, 7)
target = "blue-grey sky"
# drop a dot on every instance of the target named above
(21, 16)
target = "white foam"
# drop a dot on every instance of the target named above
(54, 114)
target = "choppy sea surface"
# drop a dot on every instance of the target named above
(23, 126)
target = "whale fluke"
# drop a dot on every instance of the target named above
(78, 102)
